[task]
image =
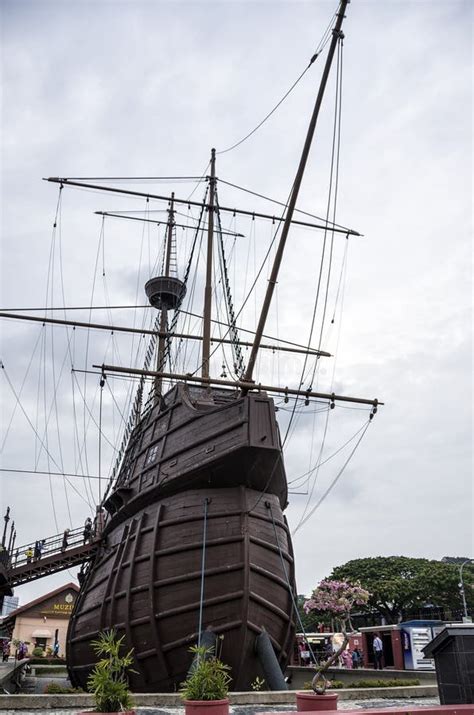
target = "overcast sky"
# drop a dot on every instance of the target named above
(146, 89)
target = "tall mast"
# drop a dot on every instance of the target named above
(336, 36)
(206, 332)
(160, 359)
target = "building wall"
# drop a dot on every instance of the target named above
(25, 627)
(43, 619)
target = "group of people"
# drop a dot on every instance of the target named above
(349, 658)
(352, 659)
(22, 650)
(35, 553)
(91, 530)
(87, 534)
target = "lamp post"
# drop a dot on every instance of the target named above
(6, 518)
(461, 588)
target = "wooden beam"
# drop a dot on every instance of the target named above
(239, 384)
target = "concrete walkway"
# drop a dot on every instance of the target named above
(242, 709)
(7, 671)
(241, 703)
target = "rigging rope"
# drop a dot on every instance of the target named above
(4, 372)
(21, 390)
(337, 140)
(247, 136)
(290, 590)
(279, 203)
(302, 521)
(150, 351)
(320, 276)
(239, 366)
(320, 464)
(174, 321)
(279, 221)
(322, 43)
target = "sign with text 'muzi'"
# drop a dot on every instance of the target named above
(60, 607)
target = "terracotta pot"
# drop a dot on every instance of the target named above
(313, 702)
(206, 707)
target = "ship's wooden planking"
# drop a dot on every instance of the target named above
(146, 582)
(191, 442)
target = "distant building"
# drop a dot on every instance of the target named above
(10, 603)
(43, 622)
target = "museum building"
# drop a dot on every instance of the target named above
(43, 622)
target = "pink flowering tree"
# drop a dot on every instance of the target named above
(336, 599)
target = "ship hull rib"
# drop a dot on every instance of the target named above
(148, 589)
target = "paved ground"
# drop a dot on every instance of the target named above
(251, 709)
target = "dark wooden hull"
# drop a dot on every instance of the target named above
(146, 582)
(196, 440)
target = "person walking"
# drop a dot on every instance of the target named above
(87, 534)
(378, 651)
(5, 651)
(346, 657)
(65, 540)
(29, 554)
(356, 658)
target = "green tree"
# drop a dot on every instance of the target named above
(398, 583)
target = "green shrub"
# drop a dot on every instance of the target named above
(56, 689)
(108, 681)
(390, 683)
(209, 678)
(51, 670)
(38, 652)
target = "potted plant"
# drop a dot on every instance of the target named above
(108, 682)
(335, 598)
(207, 685)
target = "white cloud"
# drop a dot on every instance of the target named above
(147, 88)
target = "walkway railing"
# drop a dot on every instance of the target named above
(44, 556)
(51, 562)
(50, 545)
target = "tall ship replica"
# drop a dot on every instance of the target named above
(194, 541)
